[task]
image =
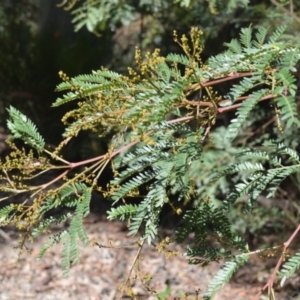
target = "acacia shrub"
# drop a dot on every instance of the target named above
(166, 121)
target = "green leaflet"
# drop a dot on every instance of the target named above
(23, 128)
(289, 267)
(224, 275)
(71, 198)
(259, 178)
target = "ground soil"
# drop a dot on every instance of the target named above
(102, 270)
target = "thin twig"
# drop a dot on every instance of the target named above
(270, 283)
(132, 267)
(289, 12)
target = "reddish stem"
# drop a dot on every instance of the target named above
(270, 282)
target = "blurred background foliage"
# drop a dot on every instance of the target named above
(40, 38)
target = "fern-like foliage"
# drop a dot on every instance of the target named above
(243, 112)
(99, 15)
(4, 214)
(212, 234)
(260, 179)
(164, 166)
(55, 239)
(143, 103)
(167, 145)
(290, 267)
(224, 275)
(23, 128)
(69, 197)
(256, 56)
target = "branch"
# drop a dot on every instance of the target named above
(140, 244)
(270, 282)
(235, 106)
(289, 12)
(230, 76)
